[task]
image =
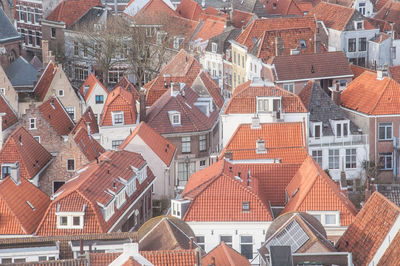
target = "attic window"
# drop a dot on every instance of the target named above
(175, 118)
(60, 93)
(214, 47)
(359, 25)
(303, 44)
(245, 206)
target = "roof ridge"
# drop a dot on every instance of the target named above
(227, 253)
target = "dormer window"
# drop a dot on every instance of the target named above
(341, 128)
(268, 104)
(5, 170)
(108, 210)
(214, 47)
(262, 105)
(117, 118)
(316, 130)
(70, 220)
(359, 25)
(120, 198)
(303, 44)
(175, 118)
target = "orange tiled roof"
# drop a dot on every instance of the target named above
(88, 190)
(334, 16)
(54, 112)
(45, 80)
(392, 253)
(357, 70)
(23, 148)
(312, 189)
(88, 145)
(259, 26)
(284, 141)
(273, 179)
(224, 255)
(368, 95)
(284, 7)
(119, 100)
(69, 11)
(127, 85)
(370, 227)
(90, 82)
(395, 73)
(189, 9)
(209, 29)
(241, 18)
(183, 67)
(218, 196)
(388, 10)
(10, 117)
(87, 118)
(17, 216)
(164, 149)
(243, 100)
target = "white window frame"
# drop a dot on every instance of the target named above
(228, 243)
(214, 47)
(333, 157)
(37, 138)
(120, 198)
(351, 158)
(3, 91)
(323, 215)
(70, 220)
(313, 128)
(385, 156)
(174, 115)
(385, 125)
(69, 110)
(289, 87)
(32, 122)
(317, 156)
(247, 243)
(113, 116)
(186, 144)
(201, 244)
(109, 210)
(115, 143)
(60, 93)
(263, 104)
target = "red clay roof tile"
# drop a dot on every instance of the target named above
(54, 112)
(209, 29)
(88, 118)
(69, 11)
(212, 88)
(241, 18)
(164, 149)
(217, 195)
(88, 85)
(395, 73)
(224, 255)
(10, 117)
(23, 148)
(370, 227)
(88, 145)
(119, 100)
(312, 189)
(45, 80)
(87, 191)
(189, 9)
(357, 70)
(243, 100)
(284, 141)
(17, 216)
(369, 95)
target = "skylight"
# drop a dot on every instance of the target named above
(292, 235)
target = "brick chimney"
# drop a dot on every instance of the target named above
(46, 53)
(336, 95)
(142, 101)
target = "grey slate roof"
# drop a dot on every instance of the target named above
(222, 39)
(7, 30)
(21, 73)
(323, 109)
(251, 6)
(36, 63)
(391, 192)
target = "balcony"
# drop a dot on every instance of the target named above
(332, 141)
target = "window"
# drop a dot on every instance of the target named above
(30, 37)
(3, 91)
(385, 131)
(30, 15)
(185, 169)
(185, 144)
(63, 220)
(361, 8)
(200, 240)
(60, 93)
(42, 258)
(338, 130)
(5, 171)
(386, 160)
(327, 218)
(317, 216)
(333, 159)
(71, 112)
(359, 25)
(393, 50)
(115, 144)
(343, 83)
(71, 165)
(303, 44)
(37, 138)
(262, 105)
(57, 185)
(203, 142)
(175, 117)
(202, 163)
(99, 99)
(317, 156)
(37, 17)
(117, 118)
(342, 129)
(246, 246)
(234, 57)
(352, 45)
(53, 32)
(351, 157)
(19, 260)
(362, 44)
(292, 235)
(6, 260)
(317, 131)
(76, 49)
(226, 239)
(32, 123)
(330, 219)
(289, 87)
(115, 74)
(245, 206)
(21, 12)
(76, 221)
(81, 72)
(242, 61)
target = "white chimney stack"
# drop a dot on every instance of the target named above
(15, 173)
(1, 129)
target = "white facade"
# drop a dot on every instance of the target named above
(230, 122)
(253, 67)
(112, 136)
(213, 62)
(164, 184)
(97, 107)
(379, 53)
(212, 232)
(365, 7)
(137, 5)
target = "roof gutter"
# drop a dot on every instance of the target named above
(307, 79)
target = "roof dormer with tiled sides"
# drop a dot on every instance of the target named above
(21, 147)
(101, 197)
(119, 109)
